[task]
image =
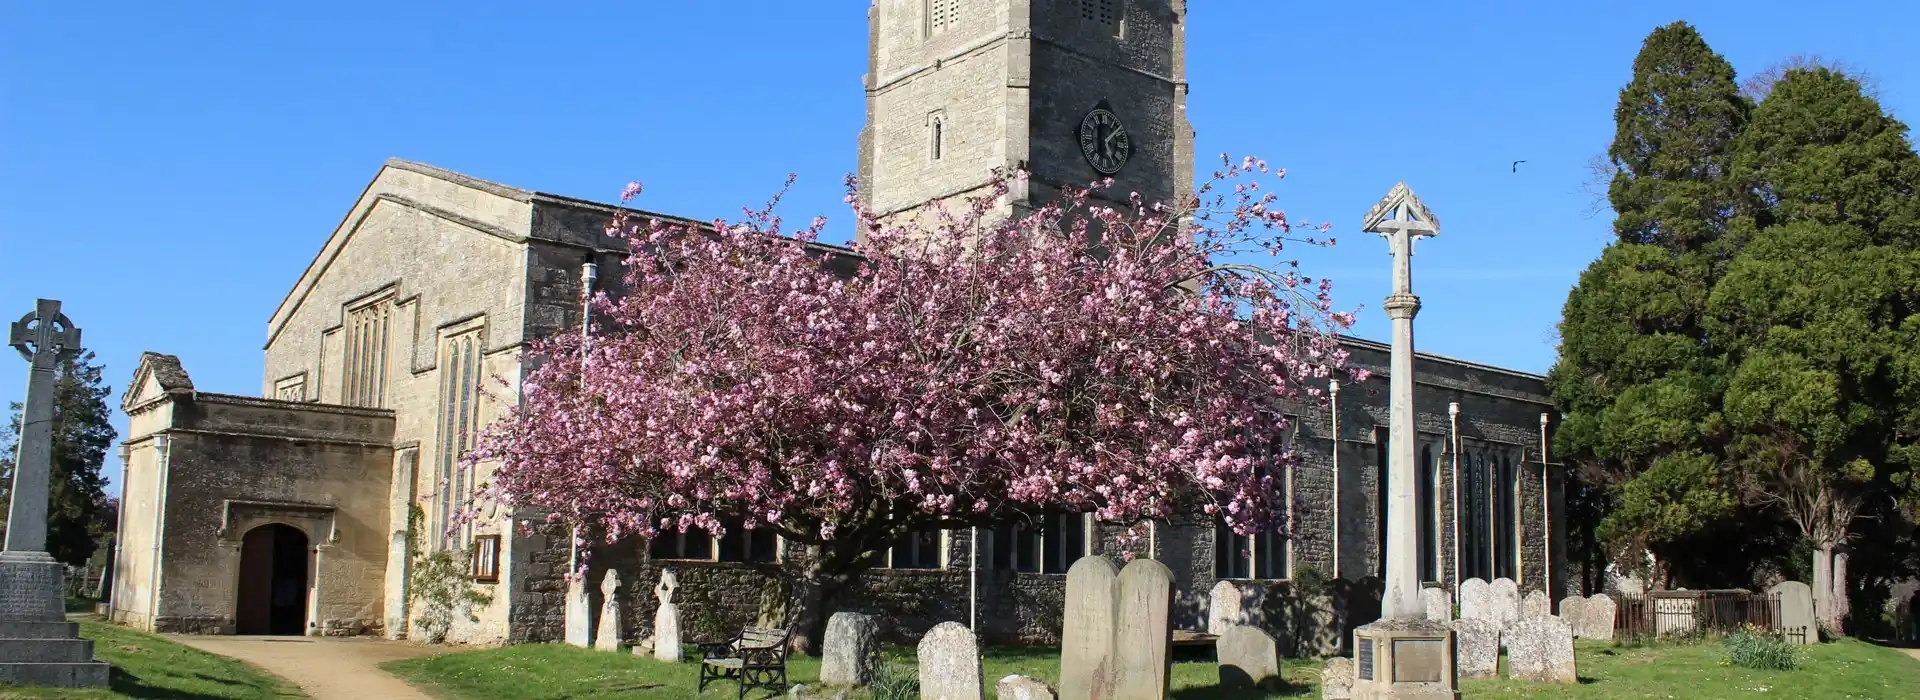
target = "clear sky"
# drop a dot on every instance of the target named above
(169, 169)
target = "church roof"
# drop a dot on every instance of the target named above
(163, 373)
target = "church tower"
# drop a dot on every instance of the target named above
(1071, 90)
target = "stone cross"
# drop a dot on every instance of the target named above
(606, 635)
(666, 619)
(41, 337)
(1401, 218)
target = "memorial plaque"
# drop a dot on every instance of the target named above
(1418, 660)
(1365, 660)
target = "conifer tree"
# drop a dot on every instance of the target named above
(82, 432)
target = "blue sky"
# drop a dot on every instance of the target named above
(168, 169)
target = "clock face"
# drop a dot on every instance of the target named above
(1104, 141)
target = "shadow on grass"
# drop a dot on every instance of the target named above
(132, 686)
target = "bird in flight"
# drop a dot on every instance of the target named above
(1516, 165)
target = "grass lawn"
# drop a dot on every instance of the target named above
(1846, 669)
(146, 666)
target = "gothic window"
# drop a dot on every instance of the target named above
(1048, 544)
(1474, 518)
(739, 545)
(936, 134)
(1429, 526)
(459, 386)
(1505, 557)
(364, 375)
(916, 550)
(1262, 555)
(942, 15)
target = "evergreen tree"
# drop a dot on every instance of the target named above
(1817, 316)
(1636, 382)
(82, 432)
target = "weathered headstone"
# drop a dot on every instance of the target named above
(1142, 638)
(1086, 638)
(1336, 679)
(1476, 644)
(1439, 604)
(1225, 608)
(606, 636)
(1249, 658)
(666, 619)
(1570, 613)
(579, 621)
(1536, 604)
(1476, 600)
(1796, 611)
(1597, 617)
(1506, 601)
(1540, 650)
(950, 664)
(851, 650)
(1018, 687)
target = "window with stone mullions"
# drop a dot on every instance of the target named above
(460, 376)
(941, 15)
(738, 546)
(364, 376)
(1049, 544)
(1262, 555)
(916, 550)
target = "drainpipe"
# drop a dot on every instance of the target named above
(119, 535)
(973, 578)
(1333, 407)
(1546, 515)
(163, 449)
(1453, 430)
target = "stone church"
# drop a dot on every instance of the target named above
(306, 510)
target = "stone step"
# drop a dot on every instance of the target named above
(46, 650)
(80, 675)
(16, 629)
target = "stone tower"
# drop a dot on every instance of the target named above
(958, 88)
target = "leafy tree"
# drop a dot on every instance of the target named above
(962, 370)
(1634, 378)
(82, 431)
(1817, 314)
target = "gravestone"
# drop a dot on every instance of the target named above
(1536, 604)
(666, 619)
(1249, 658)
(1439, 604)
(1225, 608)
(579, 623)
(1540, 650)
(1570, 613)
(1336, 679)
(851, 650)
(1796, 611)
(1476, 644)
(950, 664)
(606, 636)
(1597, 617)
(1506, 601)
(1476, 600)
(1086, 637)
(1142, 637)
(1018, 687)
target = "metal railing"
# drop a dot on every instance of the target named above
(1698, 614)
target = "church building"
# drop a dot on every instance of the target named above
(310, 508)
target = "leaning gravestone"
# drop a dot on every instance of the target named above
(1476, 644)
(1506, 601)
(1596, 617)
(1476, 600)
(1336, 679)
(851, 650)
(1225, 608)
(1796, 611)
(1439, 604)
(666, 620)
(1086, 637)
(1017, 687)
(606, 637)
(1570, 614)
(950, 664)
(1536, 604)
(1248, 658)
(1142, 637)
(1541, 651)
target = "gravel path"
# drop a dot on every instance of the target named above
(326, 668)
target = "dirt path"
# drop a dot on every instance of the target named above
(326, 668)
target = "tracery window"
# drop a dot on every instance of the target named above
(459, 421)
(364, 369)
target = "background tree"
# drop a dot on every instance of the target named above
(967, 369)
(1637, 385)
(82, 432)
(1817, 314)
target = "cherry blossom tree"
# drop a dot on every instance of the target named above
(961, 370)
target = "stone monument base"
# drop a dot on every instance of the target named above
(37, 644)
(1404, 660)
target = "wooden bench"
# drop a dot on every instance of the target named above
(756, 657)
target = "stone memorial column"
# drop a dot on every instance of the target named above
(1404, 654)
(37, 645)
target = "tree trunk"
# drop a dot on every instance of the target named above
(1842, 606)
(1823, 584)
(816, 586)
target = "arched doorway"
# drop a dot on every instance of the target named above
(273, 581)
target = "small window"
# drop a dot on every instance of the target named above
(1262, 555)
(486, 559)
(1109, 14)
(936, 134)
(941, 15)
(916, 550)
(1049, 544)
(739, 545)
